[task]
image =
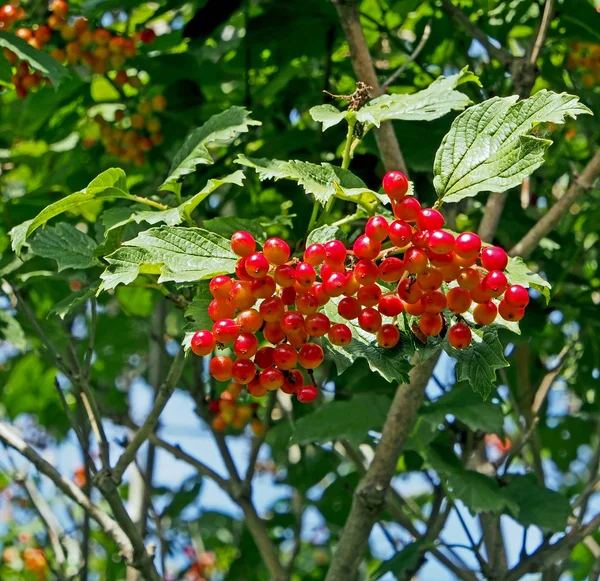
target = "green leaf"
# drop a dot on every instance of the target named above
(74, 300)
(227, 225)
(538, 506)
(70, 247)
(469, 408)
(477, 365)
(109, 184)
(324, 234)
(490, 147)
(197, 312)
(5, 71)
(11, 331)
(391, 364)
(38, 59)
(350, 419)
(519, 273)
(322, 181)
(477, 491)
(223, 127)
(176, 254)
(431, 103)
(405, 560)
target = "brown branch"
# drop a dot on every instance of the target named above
(162, 397)
(491, 216)
(369, 499)
(362, 63)
(548, 222)
(542, 31)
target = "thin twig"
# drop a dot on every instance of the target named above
(542, 31)
(91, 336)
(413, 56)
(258, 441)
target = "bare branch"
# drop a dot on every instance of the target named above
(491, 216)
(542, 31)
(388, 145)
(162, 397)
(553, 216)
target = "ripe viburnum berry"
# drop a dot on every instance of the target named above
(440, 241)
(349, 308)
(468, 245)
(226, 331)
(401, 233)
(243, 243)
(377, 228)
(365, 248)
(390, 305)
(510, 313)
(257, 265)
(310, 356)
(307, 393)
(485, 313)
(391, 269)
(494, 283)
(494, 258)
(395, 185)
(292, 381)
(220, 287)
(370, 320)
(366, 271)
(407, 209)
(276, 251)
(335, 252)
(388, 336)
(220, 367)
(459, 336)
(430, 219)
(203, 342)
(340, 335)
(317, 325)
(517, 296)
(245, 346)
(243, 371)
(315, 254)
(431, 323)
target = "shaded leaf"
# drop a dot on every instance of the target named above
(11, 331)
(74, 300)
(405, 560)
(197, 312)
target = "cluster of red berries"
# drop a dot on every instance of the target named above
(229, 412)
(410, 265)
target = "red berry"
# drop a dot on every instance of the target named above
(335, 252)
(434, 302)
(243, 371)
(517, 296)
(494, 283)
(450, 272)
(276, 251)
(310, 356)
(390, 305)
(369, 295)
(420, 238)
(305, 274)
(468, 245)
(226, 331)
(203, 342)
(441, 259)
(407, 209)
(220, 367)
(335, 284)
(349, 308)
(147, 36)
(388, 336)
(485, 313)
(366, 248)
(298, 338)
(352, 285)
(285, 276)
(307, 393)
(430, 219)
(440, 242)
(272, 309)
(273, 333)
(468, 279)
(288, 296)
(240, 270)
(317, 325)
(243, 243)
(431, 324)
(395, 185)
(285, 356)
(401, 233)
(430, 279)
(510, 313)
(257, 265)
(271, 379)
(377, 228)
(340, 335)
(307, 304)
(409, 291)
(415, 260)
(391, 269)
(315, 254)
(459, 300)
(328, 269)
(292, 381)
(241, 295)
(263, 288)
(370, 320)
(264, 357)
(366, 272)
(318, 290)
(220, 287)
(245, 346)
(459, 336)
(221, 309)
(292, 322)
(249, 321)
(480, 295)
(255, 389)
(494, 258)
(415, 309)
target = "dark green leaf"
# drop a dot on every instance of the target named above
(405, 560)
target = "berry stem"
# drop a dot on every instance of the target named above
(313, 216)
(149, 202)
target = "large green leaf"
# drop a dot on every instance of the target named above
(175, 253)
(490, 147)
(538, 506)
(38, 59)
(71, 248)
(467, 406)
(406, 559)
(350, 419)
(478, 363)
(108, 185)
(391, 364)
(322, 181)
(223, 127)
(431, 103)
